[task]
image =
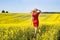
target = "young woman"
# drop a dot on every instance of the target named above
(35, 14)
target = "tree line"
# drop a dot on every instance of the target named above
(3, 11)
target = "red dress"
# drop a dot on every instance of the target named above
(35, 19)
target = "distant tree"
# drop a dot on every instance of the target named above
(3, 11)
(6, 11)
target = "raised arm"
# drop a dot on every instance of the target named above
(38, 11)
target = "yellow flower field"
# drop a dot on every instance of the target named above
(15, 26)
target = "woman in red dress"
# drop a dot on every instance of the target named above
(35, 14)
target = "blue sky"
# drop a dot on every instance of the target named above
(28, 5)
